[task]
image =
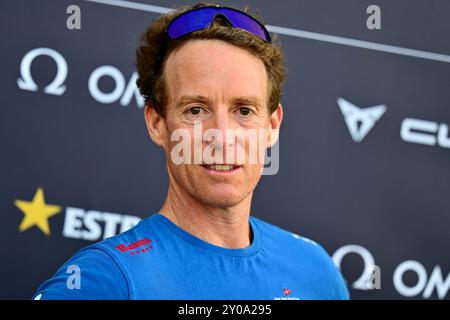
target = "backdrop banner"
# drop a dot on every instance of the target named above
(362, 165)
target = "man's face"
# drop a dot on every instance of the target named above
(215, 85)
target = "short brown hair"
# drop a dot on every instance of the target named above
(155, 47)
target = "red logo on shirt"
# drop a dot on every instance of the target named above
(287, 295)
(137, 247)
(287, 292)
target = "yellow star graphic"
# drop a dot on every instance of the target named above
(36, 212)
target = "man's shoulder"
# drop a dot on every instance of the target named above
(273, 231)
(276, 237)
(305, 254)
(90, 273)
(100, 268)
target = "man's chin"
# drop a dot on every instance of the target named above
(221, 198)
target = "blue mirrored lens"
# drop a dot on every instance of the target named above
(190, 21)
(245, 22)
(200, 18)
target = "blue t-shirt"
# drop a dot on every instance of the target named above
(158, 260)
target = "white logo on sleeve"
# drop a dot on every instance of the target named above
(38, 297)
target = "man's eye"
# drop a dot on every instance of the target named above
(195, 110)
(244, 111)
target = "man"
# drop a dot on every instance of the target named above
(215, 72)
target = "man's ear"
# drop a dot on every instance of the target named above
(156, 125)
(274, 127)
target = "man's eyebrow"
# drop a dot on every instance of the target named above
(190, 98)
(248, 100)
(256, 101)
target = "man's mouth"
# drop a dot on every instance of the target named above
(221, 168)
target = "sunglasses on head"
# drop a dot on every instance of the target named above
(201, 17)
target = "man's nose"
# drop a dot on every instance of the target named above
(223, 123)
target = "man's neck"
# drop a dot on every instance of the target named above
(223, 227)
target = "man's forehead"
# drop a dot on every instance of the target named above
(232, 76)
